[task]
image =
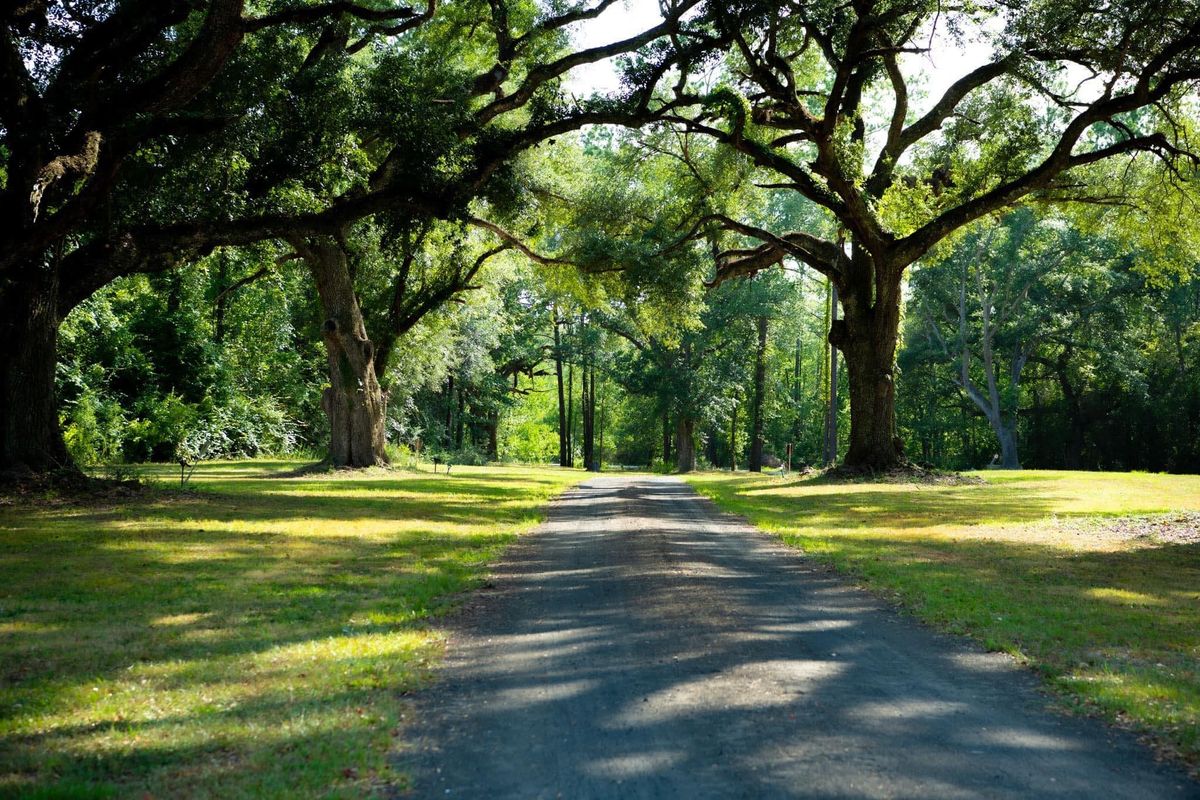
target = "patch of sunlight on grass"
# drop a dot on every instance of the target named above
(1125, 596)
(250, 638)
(1027, 564)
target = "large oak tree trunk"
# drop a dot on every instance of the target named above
(760, 389)
(867, 338)
(685, 444)
(830, 446)
(1008, 445)
(353, 402)
(30, 438)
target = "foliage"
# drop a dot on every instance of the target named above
(1108, 381)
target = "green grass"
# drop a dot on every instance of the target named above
(251, 638)
(1029, 564)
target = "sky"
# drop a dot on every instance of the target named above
(935, 71)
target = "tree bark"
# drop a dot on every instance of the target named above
(797, 393)
(600, 438)
(588, 413)
(570, 415)
(830, 449)
(1078, 424)
(30, 437)
(222, 301)
(760, 388)
(867, 339)
(458, 422)
(685, 444)
(448, 435)
(563, 461)
(733, 439)
(594, 461)
(353, 401)
(493, 434)
(1008, 446)
(666, 438)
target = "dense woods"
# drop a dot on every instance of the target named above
(374, 233)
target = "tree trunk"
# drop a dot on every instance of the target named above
(562, 401)
(760, 388)
(1078, 425)
(733, 438)
(867, 339)
(600, 438)
(666, 439)
(797, 393)
(584, 419)
(1008, 445)
(30, 438)
(588, 414)
(570, 415)
(685, 444)
(831, 410)
(493, 429)
(448, 422)
(222, 301)
(458, 422)
(353, 402)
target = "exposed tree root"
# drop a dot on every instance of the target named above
(66, 486)
(901, 473)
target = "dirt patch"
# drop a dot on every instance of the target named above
(1177, 527)
(905, 473)
(68, 488)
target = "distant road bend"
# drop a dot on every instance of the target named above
(641, 645)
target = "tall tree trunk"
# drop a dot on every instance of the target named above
(562, 401)
(570, 415)
(1078, 424)
(220, 306)
(587, 411)
(733, 438)
(666, 439)
(797, 392)
(760, 389)
(30, 438)
(493, 433)
(600, 438)
(867, 339)
(829, 454)
(448, 435)
(685, 443)
(594, 462)
(458, 423)
(1007, 435)
(354, 402)
(583, 417)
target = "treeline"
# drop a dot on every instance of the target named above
(370, 230)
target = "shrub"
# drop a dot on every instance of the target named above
(94, 429)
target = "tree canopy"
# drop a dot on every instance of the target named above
(244, 227)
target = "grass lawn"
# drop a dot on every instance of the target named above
(1065, 570)
(250, 638)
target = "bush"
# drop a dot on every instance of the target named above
(94, 429)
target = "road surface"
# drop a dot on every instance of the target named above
(642, 645)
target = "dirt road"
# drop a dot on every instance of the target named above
(640, 645)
